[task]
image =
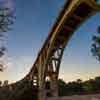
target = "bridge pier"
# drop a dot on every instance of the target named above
(41, 94)
(51, 91)
(54, 85)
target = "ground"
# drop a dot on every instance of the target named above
(78, 97)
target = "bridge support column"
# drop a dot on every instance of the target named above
(41, 94)
(54, 85)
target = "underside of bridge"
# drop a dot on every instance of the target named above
(45, 71)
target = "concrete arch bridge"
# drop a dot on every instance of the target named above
(46, 67)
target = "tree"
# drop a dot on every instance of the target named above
(6, 16)
(6, 19)
(62, 87)
(5, 83)
(1, 67)
(0, 83)
(96, 45)
(2, 50)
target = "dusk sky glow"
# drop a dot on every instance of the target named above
(34, 20)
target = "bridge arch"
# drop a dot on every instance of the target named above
(48, 61)
(47, 65)
(74, 13)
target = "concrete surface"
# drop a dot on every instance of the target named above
(78, 97)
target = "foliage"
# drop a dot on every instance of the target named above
(96, 45)
(75, 87)
(6, 20)
(79, 87)
(23, 90)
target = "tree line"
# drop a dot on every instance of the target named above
(23, 90)
(80, 87)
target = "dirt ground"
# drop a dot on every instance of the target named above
(78, 97)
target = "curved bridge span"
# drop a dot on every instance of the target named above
(44, 72)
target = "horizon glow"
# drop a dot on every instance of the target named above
(33, 23)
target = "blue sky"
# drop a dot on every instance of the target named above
(34, 20)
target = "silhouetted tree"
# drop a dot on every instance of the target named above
(2, 50)
(62, 87)
(5, 83)
(6, 19)
(23, 90)
(96, 45)
(1, 67)
(0, 83)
